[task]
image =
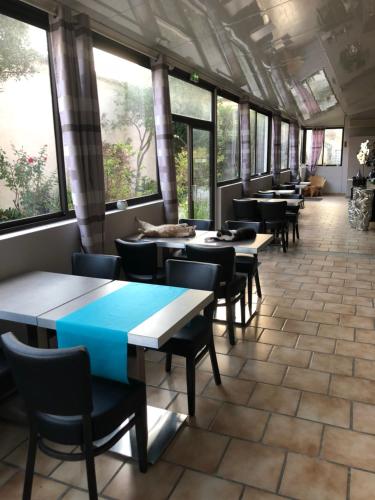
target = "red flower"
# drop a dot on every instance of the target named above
(30, 159)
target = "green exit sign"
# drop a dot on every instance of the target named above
(194, 77)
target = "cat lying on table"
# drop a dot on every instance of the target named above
(165, 230)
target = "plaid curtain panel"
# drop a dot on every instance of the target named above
(316, 149)
(245, 146)
(77, 94)
(164, 139)
(294, 150)
(276, 148)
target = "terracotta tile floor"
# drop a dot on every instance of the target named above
(295, 414)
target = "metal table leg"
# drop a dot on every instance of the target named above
(162, 424)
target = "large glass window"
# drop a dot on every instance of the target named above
(127, 123)
(227, 158)
(190, 100)
(29, 184)
(259, 127)
(284, 145)
(331, 153)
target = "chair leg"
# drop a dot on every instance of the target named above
(294, 232)
(90, 460)
(215, 366)
(297, 230)
(283, 242)
(243, 305)
(141, 432)
(250, 293)
(230, 321)
(257, 283)
(28, 484)
(190, 383)
(168, 362)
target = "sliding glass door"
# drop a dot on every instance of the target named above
(193, 159)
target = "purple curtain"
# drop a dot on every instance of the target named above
(77, 94)
(276, 148)
(294, 150)
(245, 146)
(164, 139)
(316, 149)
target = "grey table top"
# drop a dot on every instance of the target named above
(25, 297)
(292, 202)
(278, 191)
(154, 331)
(245, 246)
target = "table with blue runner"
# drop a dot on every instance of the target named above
(103, 325)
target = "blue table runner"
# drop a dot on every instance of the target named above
(103, 325)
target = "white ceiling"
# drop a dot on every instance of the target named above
(263, 47)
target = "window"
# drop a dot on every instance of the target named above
(29, 180)
(127, 124)
(259, 130)
(189, 100)
(331, 153)
(227, 158)
(284, 145)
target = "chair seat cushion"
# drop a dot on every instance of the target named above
(113, 402)
(246, 264)
(237, 285)
(192, 337)
(291, 216)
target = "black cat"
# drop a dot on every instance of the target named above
(236, 234)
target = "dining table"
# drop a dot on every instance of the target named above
(279, 192)
(207, 238)
(248, 247)
(291, 202)
(39, 299)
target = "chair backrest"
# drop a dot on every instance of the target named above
(96, 265)
(264, 195)
(224, 256)
(272, 211)
(257, 226)
(54, 381)
(317, 180)
(139, 258)
(244, 209)
(190, 274)
(200, 224)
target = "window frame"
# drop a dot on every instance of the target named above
(287, 149)
(117, 49)
(305, 129)
(267, 113)
(233, 98)
(38, 18)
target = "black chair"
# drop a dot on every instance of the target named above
(274, 217)
(96, 265)
(196, 338)
(66, 405)
(248, 264)
(265, 195)
(245, 209)
(292, 214)
(232, 285)
(92, 266)
(140, 261)
(200, 224)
